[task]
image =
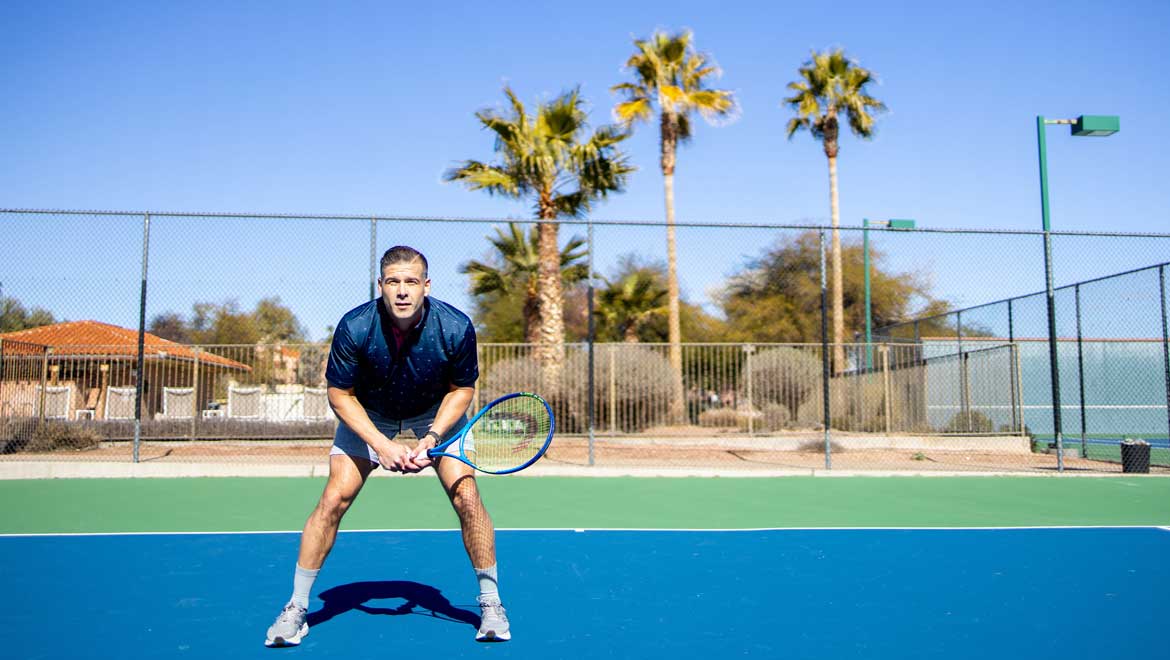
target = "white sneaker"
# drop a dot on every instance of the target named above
(290, 627)
(493, 625)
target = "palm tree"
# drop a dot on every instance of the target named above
(670, 76)
(519, 258)
(832, 85)
(551, 159)
(630, 302)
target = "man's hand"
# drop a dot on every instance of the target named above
(395, 457)
(419, 455)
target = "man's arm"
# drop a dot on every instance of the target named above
(349, 410)
(450, 412)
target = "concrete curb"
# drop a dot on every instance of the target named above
(109, 470)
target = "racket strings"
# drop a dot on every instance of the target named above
(510, 434)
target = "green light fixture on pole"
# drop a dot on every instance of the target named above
(1085, 125)
(866, 223)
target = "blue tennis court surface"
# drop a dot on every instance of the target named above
(868, 593)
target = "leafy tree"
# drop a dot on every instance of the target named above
(671, 77)
(271, 322)
(550, 158)
(15, 316)
(276, 323)
(511, 274)
(777, 297)
(832, 85)
(172, 326)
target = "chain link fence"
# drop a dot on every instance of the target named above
(237, 310)
(1111, 357)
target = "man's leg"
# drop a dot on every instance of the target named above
(479, 539)
(347, 474)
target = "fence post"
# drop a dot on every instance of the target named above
(44, 386)
(195, 405)
(612, 389)
(141, 336)
(749, 349)
(475, 393)
(887, 394)
(1081, 370)
(1019, 389)
(1011, 323)
(825, 356)
(963, 412)
(590, 391)
(965, 390)
(373, 258)
(1165, 340)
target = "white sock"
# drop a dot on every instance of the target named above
(302, 584)
(488, 582)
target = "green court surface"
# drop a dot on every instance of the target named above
(273, 504)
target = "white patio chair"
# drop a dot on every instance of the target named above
(120, 402)
(245, 402)
(178, 402)
(317, 404)
(58, 400)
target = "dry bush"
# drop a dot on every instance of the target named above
(775, 417)
(785, 376)
(59, 436)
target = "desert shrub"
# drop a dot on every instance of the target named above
(853, 406)
(785, 376)
(523, 374)
(818, 447)
(723, 418)
(979, 423)
(58, 436)
(775, 417)
(15, 434)
(642, 385)
(858, 403)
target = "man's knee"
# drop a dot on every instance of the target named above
(336, 500)
(465, 498)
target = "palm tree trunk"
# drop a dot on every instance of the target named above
(674, 326)
(532, 311)
(550, 347)
(837, 287)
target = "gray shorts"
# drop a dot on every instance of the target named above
(347, 442)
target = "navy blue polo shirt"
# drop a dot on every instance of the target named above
(409, 380)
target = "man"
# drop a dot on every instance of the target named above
(402, 361)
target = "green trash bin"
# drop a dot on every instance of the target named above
(1135, 456)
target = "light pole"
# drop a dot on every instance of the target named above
(866, 223)
(1083, 126)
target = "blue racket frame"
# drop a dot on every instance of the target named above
(437, 451)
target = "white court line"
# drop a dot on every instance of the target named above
(613, 529)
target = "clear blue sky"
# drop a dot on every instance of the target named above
(360, 107)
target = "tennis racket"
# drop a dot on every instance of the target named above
(505, 436)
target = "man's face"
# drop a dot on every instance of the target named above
(404, 287)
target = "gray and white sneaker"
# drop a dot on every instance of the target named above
(290, 627)
(493, 625)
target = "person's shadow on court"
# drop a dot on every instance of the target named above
(355, 595)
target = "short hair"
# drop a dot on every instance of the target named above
(401, 254)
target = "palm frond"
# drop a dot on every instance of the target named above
(480, 176)
(633, 111)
